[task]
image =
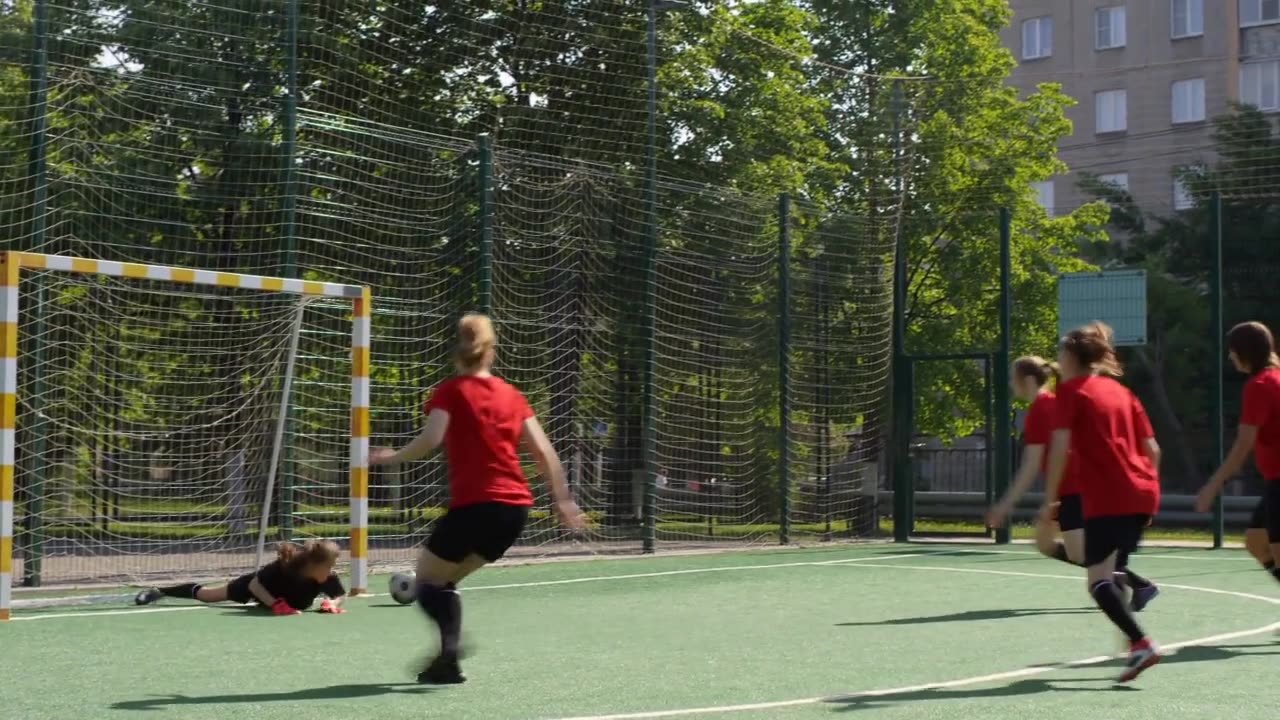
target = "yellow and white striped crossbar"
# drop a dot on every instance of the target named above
(9, 270)
(185, 275)
(360, 338)
(11, 265)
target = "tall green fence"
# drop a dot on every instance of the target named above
(711, 362)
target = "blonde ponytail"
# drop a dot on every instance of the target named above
(476, 340)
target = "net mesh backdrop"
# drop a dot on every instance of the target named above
(498, 156)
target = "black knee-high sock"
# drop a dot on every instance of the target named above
(1136, 581)
(187, 591)
(1107, 596)
(443, 605)
(1060, 554)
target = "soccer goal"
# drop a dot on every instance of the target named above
(169, 423)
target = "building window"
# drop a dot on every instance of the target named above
(1188, 100)
(1182, 199)
(1260, 84)
(1188, 18)
(1116, 180)
(1108, 23)
(1044, 195)
(1259, 12)
(1110, 111)
(1037, 38)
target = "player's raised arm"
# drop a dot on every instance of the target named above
(548, 462)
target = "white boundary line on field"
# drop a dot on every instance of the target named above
(510, 586)
(946, 684)
(939, 550)
(1229, 554)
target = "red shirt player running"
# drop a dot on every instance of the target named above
(1114, 456)
(1031, 376)
(481, 420)
(1253, 352)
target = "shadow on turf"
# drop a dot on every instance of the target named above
(332, 692)
(1035, 686)
(973, 616)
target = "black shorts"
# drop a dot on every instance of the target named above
(1266, 515)
(238, 589)
(1070, 512)
(1119, 534)
(485, 529)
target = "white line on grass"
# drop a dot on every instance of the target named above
(961, 682)
(101, 613)
(1144, 556)
(509, 586)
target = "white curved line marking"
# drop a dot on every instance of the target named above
(961, 682)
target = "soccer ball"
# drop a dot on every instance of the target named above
(404, 588)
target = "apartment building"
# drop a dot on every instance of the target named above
(1148, 76)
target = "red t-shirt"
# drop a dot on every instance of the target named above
(1108, 430)
(1037, 429)
(1261, 408)
(486, 418)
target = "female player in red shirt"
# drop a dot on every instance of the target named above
(1253, 352)
(1031, 376)
(1115, 457)
(481, 420)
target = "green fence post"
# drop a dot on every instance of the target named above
(649, 416)
(988, 403)
(1218, 333)
(784, 366)
(37, 169)
(902, 408)
(289, 233)
(485, 279)
(1003, 431)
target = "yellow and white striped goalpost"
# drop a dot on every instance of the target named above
(11, 265)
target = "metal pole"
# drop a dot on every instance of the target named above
(648, 429)
(37, 169)
(1003, 430)
(1218, 333)
(282, 423)
(784, 365)
(988, 401)
(485, 280)
(289, 231)
(902, 409)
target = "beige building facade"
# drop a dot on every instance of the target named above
(1148, 77)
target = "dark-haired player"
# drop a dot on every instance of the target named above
(1106, 431)
(482, 421)
(287, 585)
(1030, 382)
(1253, 352)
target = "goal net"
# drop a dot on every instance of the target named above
(175, 423)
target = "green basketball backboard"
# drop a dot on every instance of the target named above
(1116, 297)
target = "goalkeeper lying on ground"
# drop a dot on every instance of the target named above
(287, 586)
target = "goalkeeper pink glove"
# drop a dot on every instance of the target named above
(282, 607)
(330, 607)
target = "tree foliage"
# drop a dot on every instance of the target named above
(172, 132)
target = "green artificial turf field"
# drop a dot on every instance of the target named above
(884, 631)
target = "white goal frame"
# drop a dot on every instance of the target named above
(12, 263)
